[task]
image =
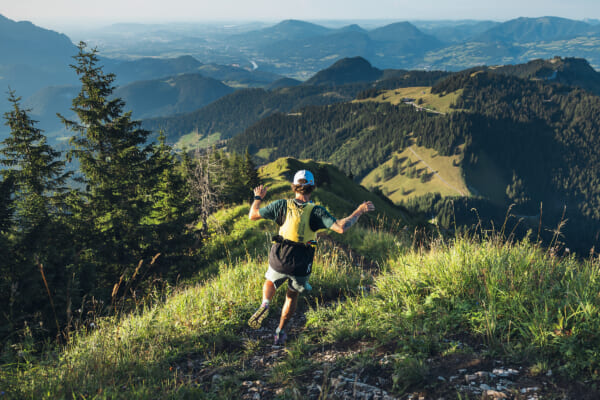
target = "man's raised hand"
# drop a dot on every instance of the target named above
(367, 206)
(260, 191)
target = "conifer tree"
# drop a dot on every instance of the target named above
(170, 199)
(33, 183)
(35, 167)
(114, 160)
(250, 173)
(171, 212)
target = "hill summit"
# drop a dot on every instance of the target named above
(347, 70)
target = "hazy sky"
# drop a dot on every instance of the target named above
(52, 11)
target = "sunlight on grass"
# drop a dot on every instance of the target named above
(431, 173)
(194, 140)
(422, 96)
(520, 300)
(372, 286)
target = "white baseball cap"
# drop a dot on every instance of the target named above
(304, 174)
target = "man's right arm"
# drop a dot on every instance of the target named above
(259, 192)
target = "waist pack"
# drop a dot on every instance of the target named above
(291, 258)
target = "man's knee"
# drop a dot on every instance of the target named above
(292, 294)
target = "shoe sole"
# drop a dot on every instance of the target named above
(257, 318)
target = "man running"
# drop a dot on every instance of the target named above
(293, 250)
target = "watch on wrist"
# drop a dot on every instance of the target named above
(257, 197)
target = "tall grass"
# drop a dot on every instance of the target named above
(134, 357)
(127, 355)
(515, 299)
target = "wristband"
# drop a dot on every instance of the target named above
(258, 198)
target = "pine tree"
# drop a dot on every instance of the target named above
(251, 178)
(33, 184)
(170, 199)
(114, 160)
(171, 214)
(34, 166)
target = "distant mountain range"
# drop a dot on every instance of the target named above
(349, 55)
(545, 29)
(403, 45)
(298, 41)
(456, 32)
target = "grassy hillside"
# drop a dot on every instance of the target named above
(425, 321)
(194, 140)
(417, 171)
(421, 96)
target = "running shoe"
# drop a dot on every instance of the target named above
(257, 318)
(280, 338)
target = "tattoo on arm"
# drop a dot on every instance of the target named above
(348, 222)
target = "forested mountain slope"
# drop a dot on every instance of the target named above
(355, 136)
(568, 71)
(171, 95)
(233, 113)
(522, 141)
(341, 82)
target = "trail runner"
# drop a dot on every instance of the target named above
(293, 250)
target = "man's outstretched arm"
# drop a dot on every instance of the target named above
(342, 225)
(259, 191)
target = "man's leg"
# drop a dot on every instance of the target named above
(268, 291)
(257, 318)
(289, 307)
(288, 310)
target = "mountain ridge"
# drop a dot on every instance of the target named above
(172, 95)
(525, 29)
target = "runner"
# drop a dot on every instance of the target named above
(293, 250)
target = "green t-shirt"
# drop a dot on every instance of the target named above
(320, 218)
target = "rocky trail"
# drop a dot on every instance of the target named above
(462, 376)
(459, 376)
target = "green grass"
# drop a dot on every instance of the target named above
(436, 102)
(265, 154)
(523, 303)
(137, 356)
(194, 140)
(446, 177)
(510, 301)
